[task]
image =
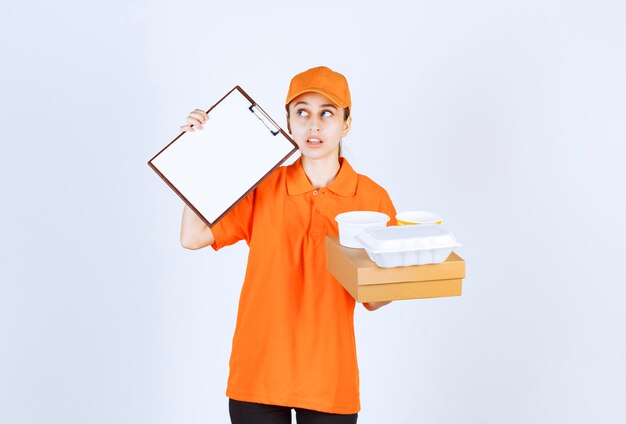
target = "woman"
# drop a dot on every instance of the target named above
(294, 344)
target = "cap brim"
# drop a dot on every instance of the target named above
(332, 98)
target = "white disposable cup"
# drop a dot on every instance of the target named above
(354, 222)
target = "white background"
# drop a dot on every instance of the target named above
(507, 118)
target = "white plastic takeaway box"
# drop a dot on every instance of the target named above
(408, 244)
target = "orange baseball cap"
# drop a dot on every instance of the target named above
(321, 80)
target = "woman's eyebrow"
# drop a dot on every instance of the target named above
(325, 105)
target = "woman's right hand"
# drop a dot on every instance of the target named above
(195, 120)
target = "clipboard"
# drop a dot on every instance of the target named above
(213, 169)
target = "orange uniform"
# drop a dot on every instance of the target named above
(294, 341)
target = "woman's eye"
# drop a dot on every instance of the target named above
(301, 112)
(327, 113)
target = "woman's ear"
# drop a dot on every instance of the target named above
(288, 126)
(346, 126)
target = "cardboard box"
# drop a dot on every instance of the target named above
(366, 282)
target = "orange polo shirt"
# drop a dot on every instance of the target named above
(294, 339)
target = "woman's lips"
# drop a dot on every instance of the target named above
(314, 142)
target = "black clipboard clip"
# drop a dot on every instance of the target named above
(265, 119)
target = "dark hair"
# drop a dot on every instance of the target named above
(346, 115)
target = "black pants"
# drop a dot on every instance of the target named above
(257, 413)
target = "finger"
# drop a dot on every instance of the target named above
(192, 127)
(205, 114)
(200, 115)
(202, 112)
(193, 121)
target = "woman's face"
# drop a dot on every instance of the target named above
(317, 125)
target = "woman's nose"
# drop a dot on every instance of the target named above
(315, 126)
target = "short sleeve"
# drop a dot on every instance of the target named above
(386, 206)
(236, 225)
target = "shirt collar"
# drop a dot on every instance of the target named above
(344, 183)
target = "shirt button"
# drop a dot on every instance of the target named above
(314, 192)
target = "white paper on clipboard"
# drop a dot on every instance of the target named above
(214, 168)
